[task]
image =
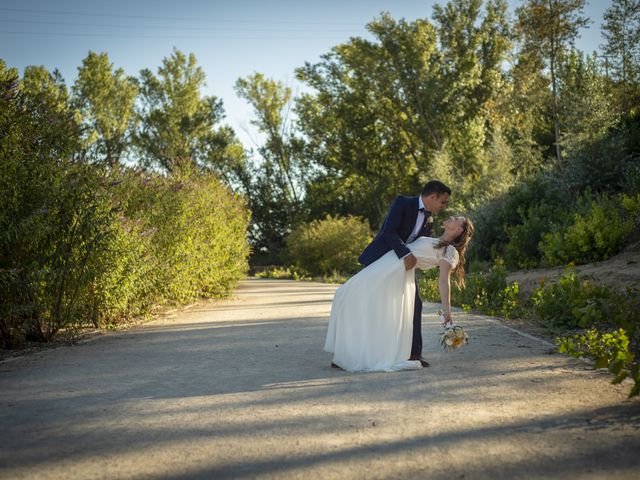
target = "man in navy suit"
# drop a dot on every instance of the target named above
(408, 219)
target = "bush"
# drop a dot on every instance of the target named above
(511, 226)
(279, 273)
(51, 219)
(174, 240)
(609, 349)
(103, 251)
(552, 218)
(83, 245)
(324, 247)
(199, 235)
(485, 292)
(574, 303)
(597, 234)
(523, 248)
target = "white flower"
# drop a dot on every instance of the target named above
(453, 337)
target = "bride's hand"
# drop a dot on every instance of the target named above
(447, 319)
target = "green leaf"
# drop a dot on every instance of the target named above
(602, 362)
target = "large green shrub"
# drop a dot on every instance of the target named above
(522, 250)
(84, 245)
(511, 226)
(199, 236)
(50, 218)
(170, 240)
(596, 234)
(330, 245)
(574, 303)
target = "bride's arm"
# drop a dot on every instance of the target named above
(445, 288)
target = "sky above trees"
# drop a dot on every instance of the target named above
(230, 39)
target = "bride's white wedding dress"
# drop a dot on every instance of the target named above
(372, 313)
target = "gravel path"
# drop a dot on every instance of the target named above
(242, 389)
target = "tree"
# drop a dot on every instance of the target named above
(177, 124)
(271, 102)
(585, 102)
(383, 110)
(359, 126)
(473, 48)
(274, 186)
(105, 97)
(50, 218)
(44, 90)
(621, 30)
(528, 108)
(550, 27)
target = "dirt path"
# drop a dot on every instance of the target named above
(621, 271)
(242, 389)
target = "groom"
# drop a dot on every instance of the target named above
(408, 219)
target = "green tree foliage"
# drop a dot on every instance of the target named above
(528, 107)
(549, 27)
(329, 246)
(84, 245)
(357, 129)
(382, 110)
(105, 97)
(621, 30)
(472, 49)
(177, 124)
(584, 101)
(275, 183)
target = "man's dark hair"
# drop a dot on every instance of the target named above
(434, 186)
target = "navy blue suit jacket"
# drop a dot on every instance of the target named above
(395, 230)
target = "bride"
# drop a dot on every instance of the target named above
(371, 319)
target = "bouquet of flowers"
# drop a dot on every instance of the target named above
(453, 336)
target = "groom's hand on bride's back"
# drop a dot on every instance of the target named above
(409, 262)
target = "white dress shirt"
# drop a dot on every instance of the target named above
(419, 221)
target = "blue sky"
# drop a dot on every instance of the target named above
(230, 39)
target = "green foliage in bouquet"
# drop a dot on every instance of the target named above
(323, 247)
(609, 350)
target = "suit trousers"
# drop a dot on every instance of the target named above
(416, 342)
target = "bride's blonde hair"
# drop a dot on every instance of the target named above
(461, 242)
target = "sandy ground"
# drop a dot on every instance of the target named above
(242, 389)
(620, 271)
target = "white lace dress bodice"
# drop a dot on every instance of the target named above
(428, 256)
